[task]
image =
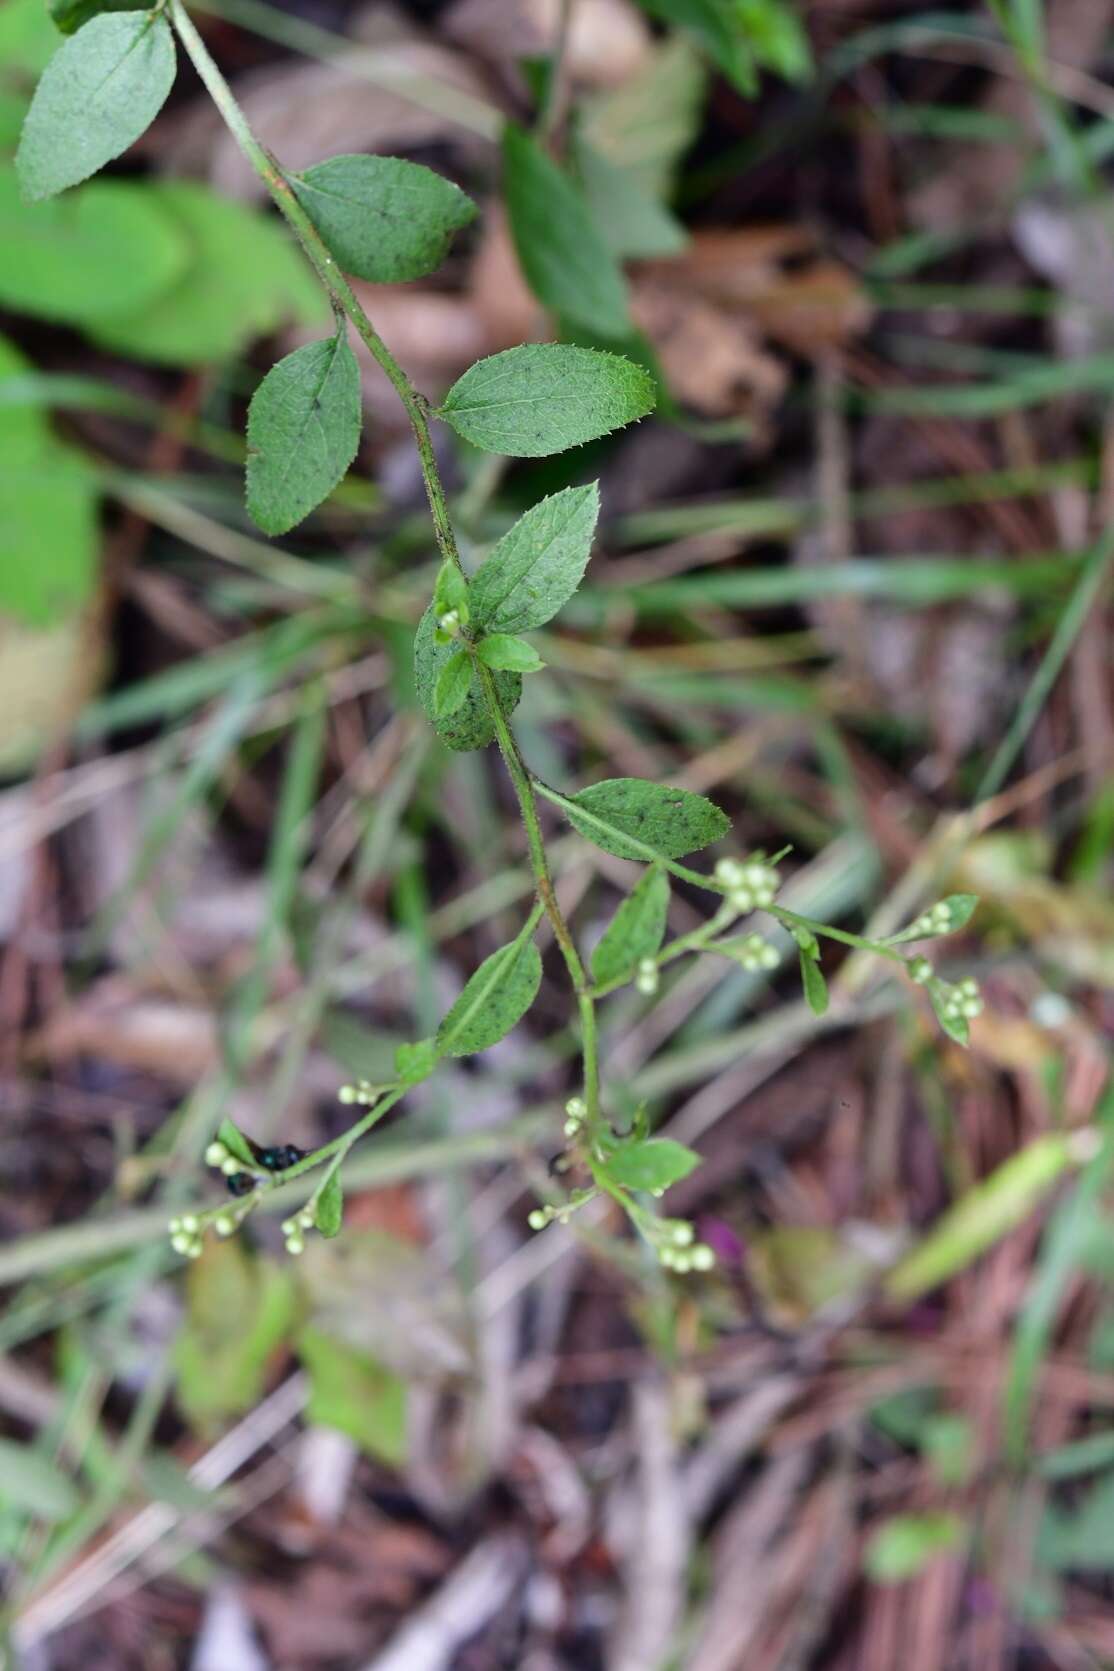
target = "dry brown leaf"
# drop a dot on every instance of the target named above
(812, 305)
(713, 358)
(609, 40)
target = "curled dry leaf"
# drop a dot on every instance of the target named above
(801, 298)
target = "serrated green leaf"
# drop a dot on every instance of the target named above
(102, 89)
(235, 1142)
(70, 15)
(383, 219)
(303, 432)
(635, 819)
(353, 1392)
(545, 397)
(328, 1212)
(509, 654)
(452, 684)
(470, 727)
(635, 226)
(34, 1483)
(496, 997)
(816, 987)
(562, 252)
(244, 277)
(650, 1165)
(102, 250)
(635, 931)
(415, 1062)
(538, 564)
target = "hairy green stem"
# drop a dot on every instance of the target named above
(417, 410)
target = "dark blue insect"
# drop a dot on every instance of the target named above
(274, 1159)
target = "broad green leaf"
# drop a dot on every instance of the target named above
(303, 432)
(415, 1062)
(30, 1481)
(453, 684)
(243, 279)
(544, 397)
(651, 1165)
(470, 726)
(816, 987)
(636, 930)
(716, 25)
(351, 1391)
(635, 226)
(239, 1310)
(48, 535)
(329, 1210)
(494, 1000)
(102, 89)
(638, 820)
(382, 218)
(70, 15)
(102, 250)
(538, 564)
(902, 1547)
(509, 654)
(564, 255)
(235, 1142)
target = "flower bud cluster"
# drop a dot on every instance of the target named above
(962, 1000)
(753, 952)
(293, 1230)
(185, 1235)
(576, 1112)
(677, 1248)
(363, 1094)
(647, 977)
(560, 1212)
(751, 884)
(936, 920)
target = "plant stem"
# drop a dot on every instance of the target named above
(417, 410)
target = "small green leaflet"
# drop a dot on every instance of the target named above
(561, 250)
(469, 726)
(328, 1211)
(383, 219)
(235, 1142)
(635, 819)
(102, 89)
(513, 655)
(635, 931)
(70, 15)
(544, 397)
(816, 988)
(651, 1165)
(450, 591)
(538, 564)
(415, 1062)
(495, 998)
(452, 684)
(903, 1546)
(303, 432)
